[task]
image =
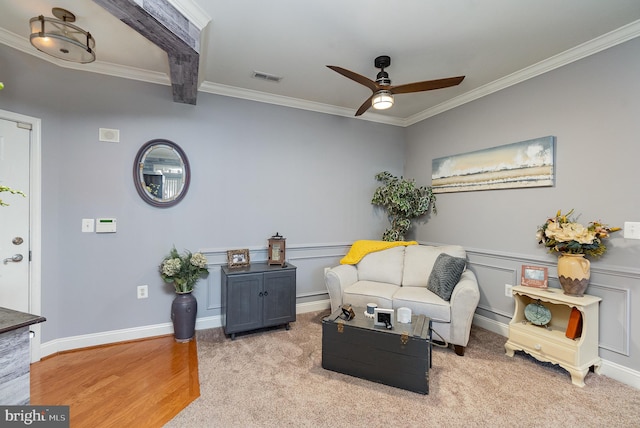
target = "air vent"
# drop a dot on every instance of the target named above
(266, 76)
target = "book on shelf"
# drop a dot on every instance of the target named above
(574, 326)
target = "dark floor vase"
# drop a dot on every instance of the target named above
(183, 314)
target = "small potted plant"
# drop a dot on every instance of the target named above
(183, 271)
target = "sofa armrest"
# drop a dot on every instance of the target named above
(336, 280)
(464, 301)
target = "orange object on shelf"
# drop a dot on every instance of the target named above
(574, 327)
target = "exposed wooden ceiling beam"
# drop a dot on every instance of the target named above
(162, 24)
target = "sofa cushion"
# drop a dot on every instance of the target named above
(362, 292)
(419, 261)
(383, 266)
(422, 302)
(446, 275)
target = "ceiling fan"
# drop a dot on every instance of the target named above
(383, 91)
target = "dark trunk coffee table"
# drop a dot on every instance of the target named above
(400, 357)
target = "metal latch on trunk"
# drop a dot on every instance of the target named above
(404, 338)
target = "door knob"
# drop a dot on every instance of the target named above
(15, 258)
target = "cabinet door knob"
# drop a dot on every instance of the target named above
(538, 347)
(260, 294)
(266, 293)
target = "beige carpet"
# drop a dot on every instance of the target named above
(275, 379)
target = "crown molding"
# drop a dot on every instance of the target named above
(608, 40)
(263, 97)
(101, 67)
(192, 11)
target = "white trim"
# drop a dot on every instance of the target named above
(193, 12)
(104, 338)
(608, 40)
(100, 67)
(491, 325)
(620, 373)
(136, 333)
(613, 370)
(263, 97)
(609, 368)
(35, 227)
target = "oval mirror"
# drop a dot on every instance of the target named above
(161, 173)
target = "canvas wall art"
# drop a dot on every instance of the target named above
(525, 164)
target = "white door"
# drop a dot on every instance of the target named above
(14, 218)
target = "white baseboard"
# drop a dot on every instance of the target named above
(104, 338)
(620, 373)
(613, 370)
(491, 325)
(115, 336)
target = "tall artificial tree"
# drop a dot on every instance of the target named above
(403, 202)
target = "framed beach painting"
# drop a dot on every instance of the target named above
(525, 164)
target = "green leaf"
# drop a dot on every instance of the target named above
(403, 202)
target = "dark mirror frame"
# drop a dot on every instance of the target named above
(141, 186)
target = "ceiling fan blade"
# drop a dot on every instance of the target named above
(355, 77)
(365, 106)
(428, 85)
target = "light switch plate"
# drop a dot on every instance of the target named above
(88, 225)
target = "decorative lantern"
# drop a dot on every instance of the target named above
(277, 245)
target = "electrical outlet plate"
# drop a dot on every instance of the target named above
(507, 290)
(143, 291)
(631, 230)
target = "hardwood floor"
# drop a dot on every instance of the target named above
(142, 383)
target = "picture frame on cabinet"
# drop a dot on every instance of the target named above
(535, 276)
(238, 258)
(383, 318)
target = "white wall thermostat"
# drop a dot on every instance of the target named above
(105, 225)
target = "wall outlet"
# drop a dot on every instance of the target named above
(631, 230)
(143, 291)
(507, 290)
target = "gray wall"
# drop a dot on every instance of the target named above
(592, 107)
(257, 169)
(322, 195)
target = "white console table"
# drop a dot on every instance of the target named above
(549, 343)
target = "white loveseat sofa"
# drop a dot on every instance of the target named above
(400, 276)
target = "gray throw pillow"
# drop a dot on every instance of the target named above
(445, 275)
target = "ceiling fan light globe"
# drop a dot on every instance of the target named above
(382, 100)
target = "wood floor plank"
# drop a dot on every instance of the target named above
(141, 383)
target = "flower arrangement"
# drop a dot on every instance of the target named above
(10, 190)
(183, 271)
(564, 235)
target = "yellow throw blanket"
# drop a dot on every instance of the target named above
(361, 248)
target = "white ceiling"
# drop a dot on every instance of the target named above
(494, 43)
